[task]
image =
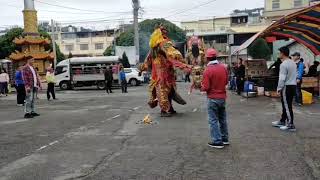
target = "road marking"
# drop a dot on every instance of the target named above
(54, 142)
(136, 108)
(43, 147)
(116, 116)
(14, 121)
(109, 119)
(195, 110)
(50, 144)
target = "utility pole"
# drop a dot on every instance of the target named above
(53, 42)
(136, 7)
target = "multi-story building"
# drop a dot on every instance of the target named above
(275, 9)
(84, 43)
(220, 32)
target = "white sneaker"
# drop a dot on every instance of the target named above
(278, 124)
(290, 128)
(226, 143)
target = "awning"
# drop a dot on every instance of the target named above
(246, 44)
(302, 26)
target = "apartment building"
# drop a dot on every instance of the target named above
(84, 43)
(220, 32)
(276, 9)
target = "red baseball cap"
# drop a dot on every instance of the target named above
(211, 53)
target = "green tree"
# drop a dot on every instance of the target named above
(259, 49)
(146, 28)
(70, 55)
(7, 46)
(60, 55)
(125, 61)
(109, 51)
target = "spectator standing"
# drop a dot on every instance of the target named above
(233, 81)
(37, 90)
(313, 70)
(32, 84)
(108, 76)
(123, 80)
(19, 84)
(276, 65)
(51, 80)
(187, 77)
(287, 88)
(4, 81)
(300, 71)
(215, 80)
(240, 74)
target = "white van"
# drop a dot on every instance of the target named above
(89, 71)
(83, 71)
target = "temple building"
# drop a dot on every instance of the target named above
(31, 43)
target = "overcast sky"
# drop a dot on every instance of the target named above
(114, 12)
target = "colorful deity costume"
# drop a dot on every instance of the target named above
(196, 57)
(162, 59)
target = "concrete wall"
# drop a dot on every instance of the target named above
(284, 4)
(208, 25)
(91, 41)
(222, 24)
(192, 25)
(286, 7)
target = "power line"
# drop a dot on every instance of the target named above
(67, 7)
(84, 13)
(69, 12)
(194, 7)
(97, 21)
(70, 20)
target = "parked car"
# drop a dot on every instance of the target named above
(133, 78)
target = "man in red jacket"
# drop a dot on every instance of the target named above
(215, 79)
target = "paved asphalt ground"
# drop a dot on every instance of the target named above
(90, 135)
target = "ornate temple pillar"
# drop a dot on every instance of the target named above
(30, 18)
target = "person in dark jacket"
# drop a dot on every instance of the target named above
(108, 76)
(19, 84)
(313, 70)
(276, 66)
(240, 74)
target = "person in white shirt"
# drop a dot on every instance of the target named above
(4, 81)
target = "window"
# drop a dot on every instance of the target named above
(61, 69)
(84, 47)
(99, 46)
(275, 4)
(83, 35)
(69, 47)
(128, 71)
(68, 36)
(297, 3)
(55, 36)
